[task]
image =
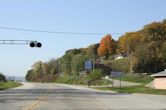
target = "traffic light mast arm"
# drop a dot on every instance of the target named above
(15, 42)
(21, 42)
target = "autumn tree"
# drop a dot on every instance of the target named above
(107, 46)
(150, 53)
(154, 32)
(129, 41)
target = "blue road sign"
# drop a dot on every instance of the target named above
(88, 65)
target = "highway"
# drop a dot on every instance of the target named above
(50, 96)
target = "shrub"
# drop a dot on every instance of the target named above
(96, 74)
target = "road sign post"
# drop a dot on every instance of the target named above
(116, 74)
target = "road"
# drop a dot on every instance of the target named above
(38, 96)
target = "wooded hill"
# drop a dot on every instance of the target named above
(147, 46)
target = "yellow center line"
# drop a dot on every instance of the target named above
(36, 103)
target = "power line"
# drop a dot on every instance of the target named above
(54, 32)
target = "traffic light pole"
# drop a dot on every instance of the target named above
(21, 42)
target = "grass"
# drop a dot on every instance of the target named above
(137, 78)
(134, 89)
(122, 65)
(7, 85)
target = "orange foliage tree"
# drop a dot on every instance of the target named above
(107, 46)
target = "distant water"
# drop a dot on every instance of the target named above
(16, 78)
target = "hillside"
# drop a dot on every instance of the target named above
(147, 46)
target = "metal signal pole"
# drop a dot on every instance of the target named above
(15, 42)
(21, 42)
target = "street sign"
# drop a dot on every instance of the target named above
(88, 65)
(116, 74)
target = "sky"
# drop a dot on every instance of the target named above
(89, 16)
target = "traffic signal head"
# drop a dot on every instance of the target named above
(39, 44)
(35, 44)
(32, 44)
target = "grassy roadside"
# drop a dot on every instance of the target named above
(134, 89)
(7, 85)
(137, 78)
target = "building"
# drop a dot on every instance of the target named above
(160, 80)
(120, 56)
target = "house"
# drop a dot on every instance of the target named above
(160, 80)
(120, 56)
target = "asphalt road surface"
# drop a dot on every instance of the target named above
(38, 96)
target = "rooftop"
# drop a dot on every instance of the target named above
(162, 73)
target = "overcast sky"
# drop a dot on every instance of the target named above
(89, 16)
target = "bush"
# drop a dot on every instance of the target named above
(2, 78)
(96, 74)
(69, 79)
(7, 85)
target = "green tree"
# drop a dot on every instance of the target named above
(30, 75)
(2, 78)
(92, 51)
(54, 66)
(77, 63)
(66, 63)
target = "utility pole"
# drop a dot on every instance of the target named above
(131, 63)
(94, 62)
(130, 60)
(59, 66)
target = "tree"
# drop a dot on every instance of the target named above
(66, 63)
(148, 47)
(154, 32)
(77, 63)
(151, 51)
(30, 75)
(45, 68)
(2, 78)
(129, 41)
(107, 46)
(54, 66)
(37, 67)
(92, 51)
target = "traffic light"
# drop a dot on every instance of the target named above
(35, 44)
